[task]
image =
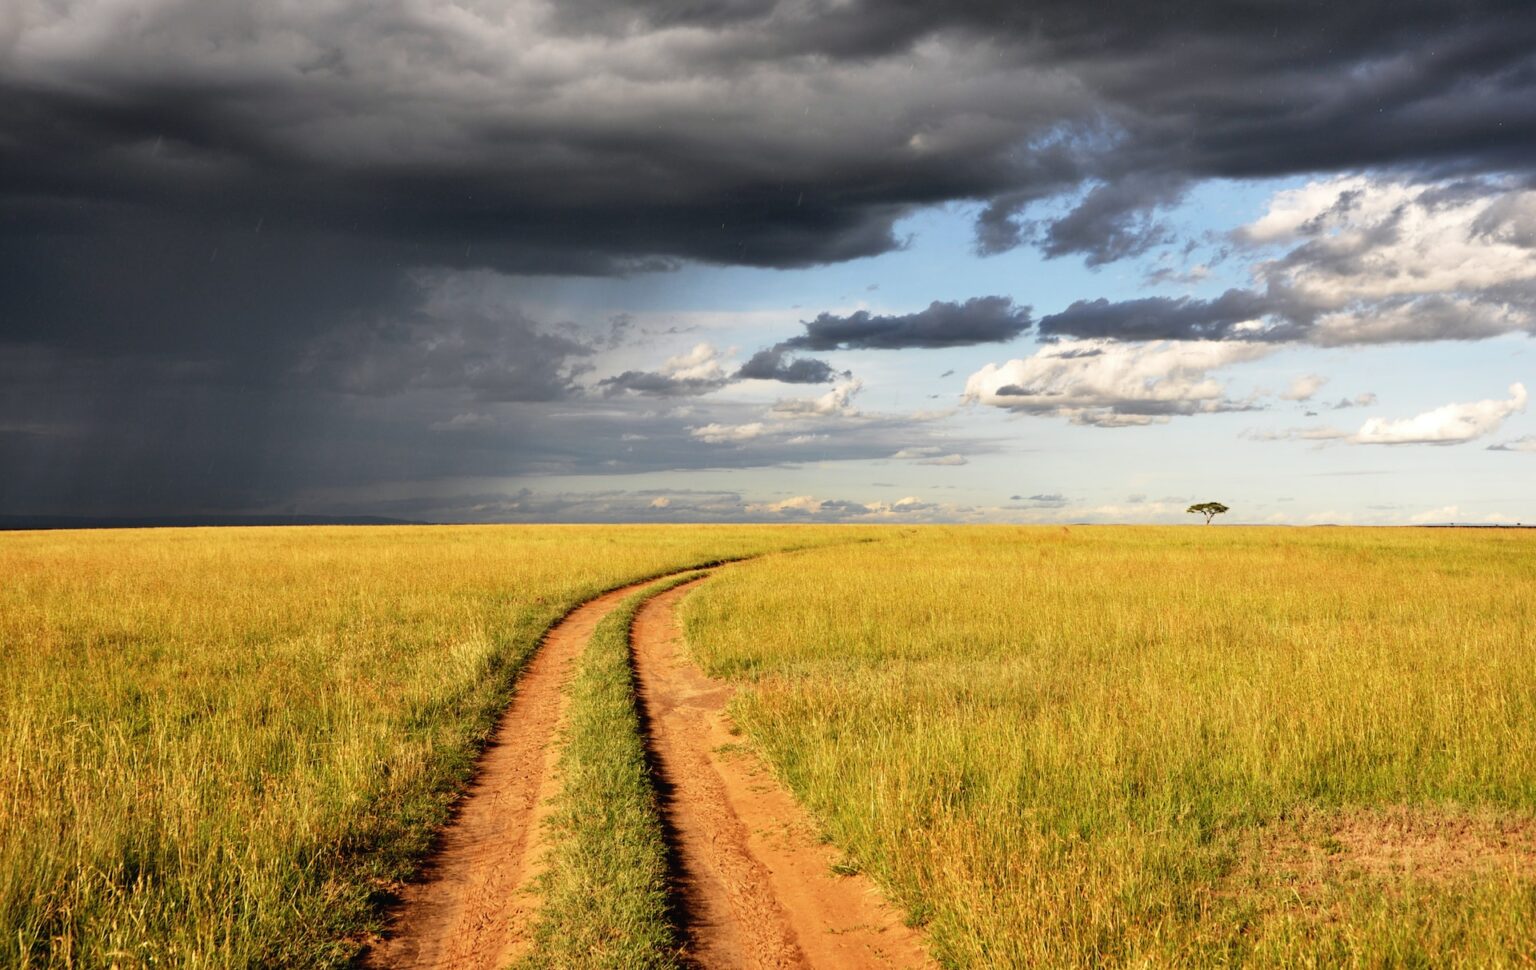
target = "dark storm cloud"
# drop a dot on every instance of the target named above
(656, 384)
(987, 319)
(496, 358)
(1166, 318)
(212, 211)
(123, 435)
(980, 320)
(802, 133)
(777, 364)
(1114, 220)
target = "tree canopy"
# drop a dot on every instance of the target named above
(1208, 509)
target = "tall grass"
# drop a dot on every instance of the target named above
(216, 746)
(1093, 746)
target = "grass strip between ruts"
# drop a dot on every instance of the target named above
(605, 891)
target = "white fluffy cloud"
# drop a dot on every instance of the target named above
(703, 363)
(793, 420)
(1452, 424)
(701, 370)
(718, 434)
(931, 455)
(1376, 260)
(1302, 388)
(1365, 238)
(840, 510)
(837, 401)
(909, 505)
(1446, 513)
(1110, 384)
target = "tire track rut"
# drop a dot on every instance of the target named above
(754, 887)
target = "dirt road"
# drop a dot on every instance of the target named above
(474, 909)
(755, 887)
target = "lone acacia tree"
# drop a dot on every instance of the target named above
(1208, 509)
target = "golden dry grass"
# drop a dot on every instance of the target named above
(1093, 746)
(217, 746)
(1082, 747)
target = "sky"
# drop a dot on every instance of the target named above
(769, 260)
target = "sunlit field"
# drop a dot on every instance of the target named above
(1160, 746)
(216, 745)
(1106, 746)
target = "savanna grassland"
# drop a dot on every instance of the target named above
(1121, 746)
(1160, 746)
(215, 745)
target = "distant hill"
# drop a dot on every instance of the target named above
(15, 522)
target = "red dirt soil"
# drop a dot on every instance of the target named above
(755, 887)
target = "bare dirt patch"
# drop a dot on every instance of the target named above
(754, 886)
(474, 906)
(1392, 845)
